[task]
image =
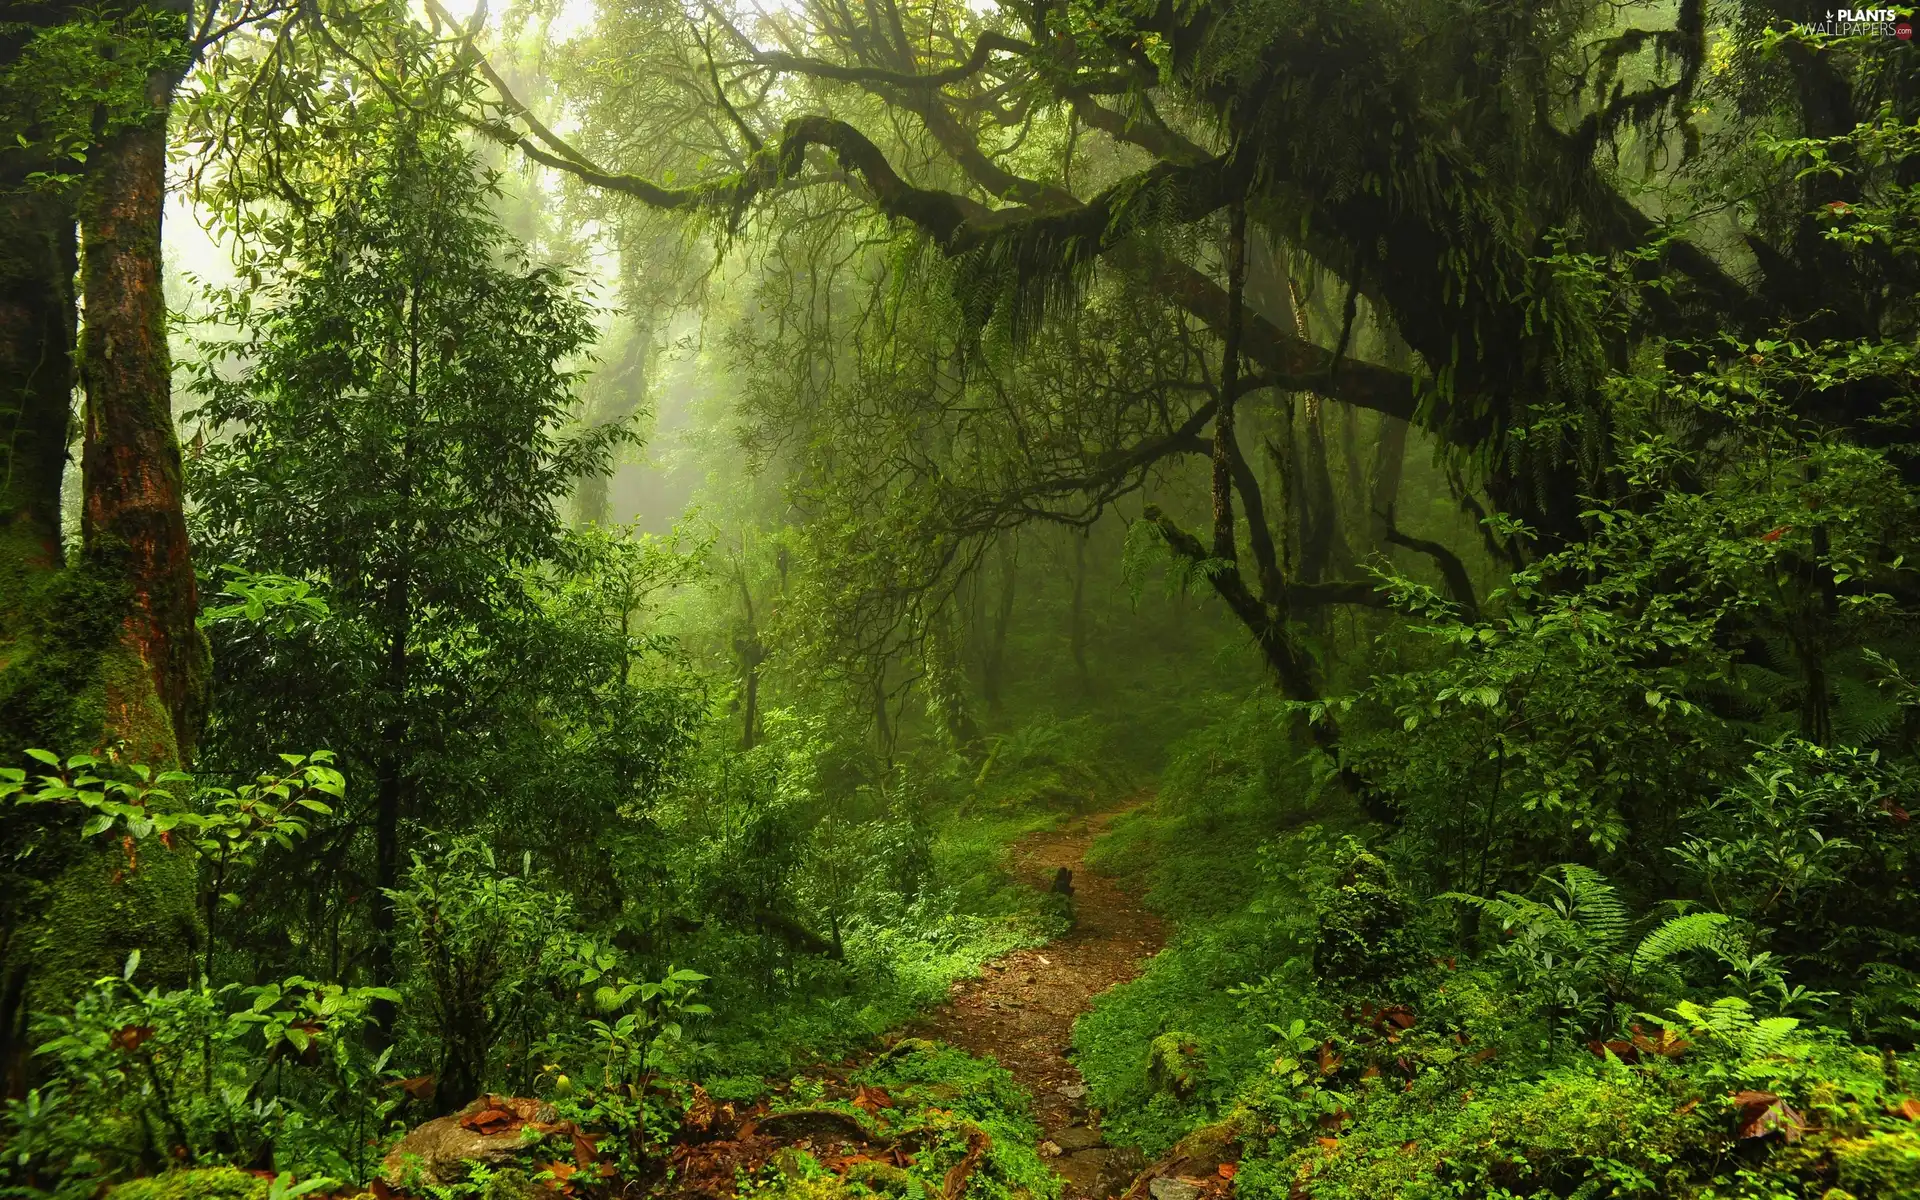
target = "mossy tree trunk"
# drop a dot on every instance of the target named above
(130, 468)
(100, 653)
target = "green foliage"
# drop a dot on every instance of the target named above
(140, 1077)
(1362, 939)
(483, 942)
(951, 1097)
(1812, 844)
(69, 85)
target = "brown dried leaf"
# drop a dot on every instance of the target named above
(701, 1110)
(1762, 1113)
(1330, 1059)
(1666, 1043)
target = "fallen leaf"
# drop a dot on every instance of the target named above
(871, 1099)
(1666, 1044)
(1330, 1059)
(1762, 1113)
(701, 1110)
(1228, 1170)
(584, 1151)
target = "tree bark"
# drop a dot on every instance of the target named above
(1389, 463)
(130, 462)
(623, 396)
(104, 654)
(994, 661)
(38, 257)
(1077, 628)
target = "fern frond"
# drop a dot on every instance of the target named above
(1694, 931)
(1766, 1036)
(1593, 904)
(1511, 910)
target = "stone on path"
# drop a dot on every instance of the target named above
(1077, 1137)
(1172, 1187)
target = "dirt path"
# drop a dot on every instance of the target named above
(1022, 1007)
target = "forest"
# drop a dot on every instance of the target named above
(959, 600)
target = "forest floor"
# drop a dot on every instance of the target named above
(1021, 1008)
(1020, 1011)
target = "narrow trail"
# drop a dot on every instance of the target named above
(1022, 1007)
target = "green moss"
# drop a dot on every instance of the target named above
(1174, 1064)
(952, 1097)
(75, 909)
(1881, 1163)
(52, 692)
(1573, 1132)
(215, 1183)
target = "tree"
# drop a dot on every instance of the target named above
(100, 651)
(395, 433)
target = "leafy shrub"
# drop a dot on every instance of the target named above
(1363, 937)
(483, 945)
(137, 1078)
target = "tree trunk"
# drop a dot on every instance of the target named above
(39, 254)
(38, 257)
(994, 661)
(1389, 463)
(1077, 626)
(130, 464)
(104, 654)
(391, 778)
(622, 396)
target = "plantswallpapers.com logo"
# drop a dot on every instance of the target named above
(1864, 22)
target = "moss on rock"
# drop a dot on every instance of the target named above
(212, 1183)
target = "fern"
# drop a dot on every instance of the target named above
(1729, 1021)
(1694, 931)
(1593, 905)
(1513, 911)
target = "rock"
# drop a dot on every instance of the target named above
(1078, 1137)
(1072, 1091)
(1173, 1187)
(1118, 1168)
(904, 1047)
(1049, 1150)
(812, 1122)
(441, 1151)
(1082, 1170)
